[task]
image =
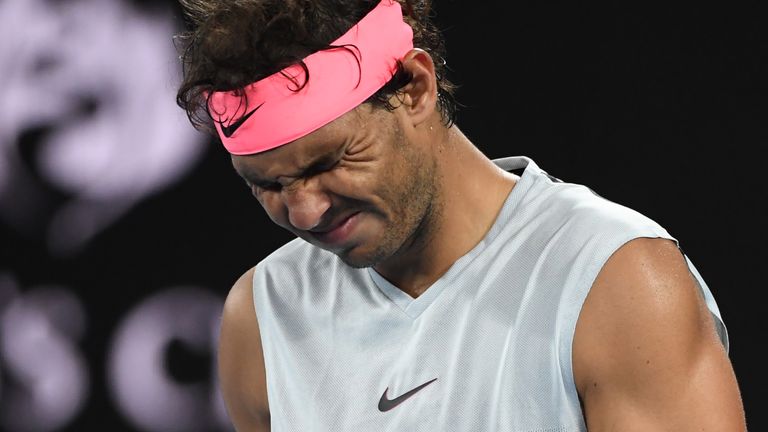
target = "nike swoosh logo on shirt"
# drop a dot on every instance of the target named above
(386, 404)
(229, 130)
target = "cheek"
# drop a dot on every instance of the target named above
(274, 207)
(365, 177)
(362, 185)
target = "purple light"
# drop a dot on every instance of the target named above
(142, 388)
(101, 77)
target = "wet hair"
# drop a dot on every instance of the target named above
(231, 44)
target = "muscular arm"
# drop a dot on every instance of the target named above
(241, 361)
(646, 355)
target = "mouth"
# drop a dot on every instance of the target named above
(338, 232)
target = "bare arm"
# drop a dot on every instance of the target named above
(241, 361)
(646, 354)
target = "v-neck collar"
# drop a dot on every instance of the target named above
(414, 307)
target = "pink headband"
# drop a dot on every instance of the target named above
(338, 81)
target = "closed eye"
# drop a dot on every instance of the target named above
(270, 186)
(314, 169)
(320, 167)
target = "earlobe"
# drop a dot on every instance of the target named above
(419, 97)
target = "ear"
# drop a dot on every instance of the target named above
(419, 97)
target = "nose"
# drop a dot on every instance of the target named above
(306, 203)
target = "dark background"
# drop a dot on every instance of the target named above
(659, 109)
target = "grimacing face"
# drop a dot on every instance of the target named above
(358, 187)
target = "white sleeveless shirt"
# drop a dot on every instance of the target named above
(487, 347)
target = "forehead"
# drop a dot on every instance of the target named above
(292, 158)
(317, 146)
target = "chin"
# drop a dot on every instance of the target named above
(357, 261)
(361, 259)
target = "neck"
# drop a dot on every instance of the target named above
(471, 190)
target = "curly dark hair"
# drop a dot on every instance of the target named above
(231, 44)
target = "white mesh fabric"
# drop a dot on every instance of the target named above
(495, 330)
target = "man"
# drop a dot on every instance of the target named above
(430, 288)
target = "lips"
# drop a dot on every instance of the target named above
(332, 226)
(338, 231)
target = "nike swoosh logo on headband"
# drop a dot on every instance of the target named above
(229, 130)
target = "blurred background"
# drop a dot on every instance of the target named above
(122, 229)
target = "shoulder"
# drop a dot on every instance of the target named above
(238, 306)
(645, 344)
(296, 257)
(240, 358)
(576, 222)
(579, 206)
(292, 251)
(642, 299)
(643, 282)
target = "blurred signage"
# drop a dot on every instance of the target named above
(89, 129)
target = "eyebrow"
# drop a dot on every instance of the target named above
(252, 178)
